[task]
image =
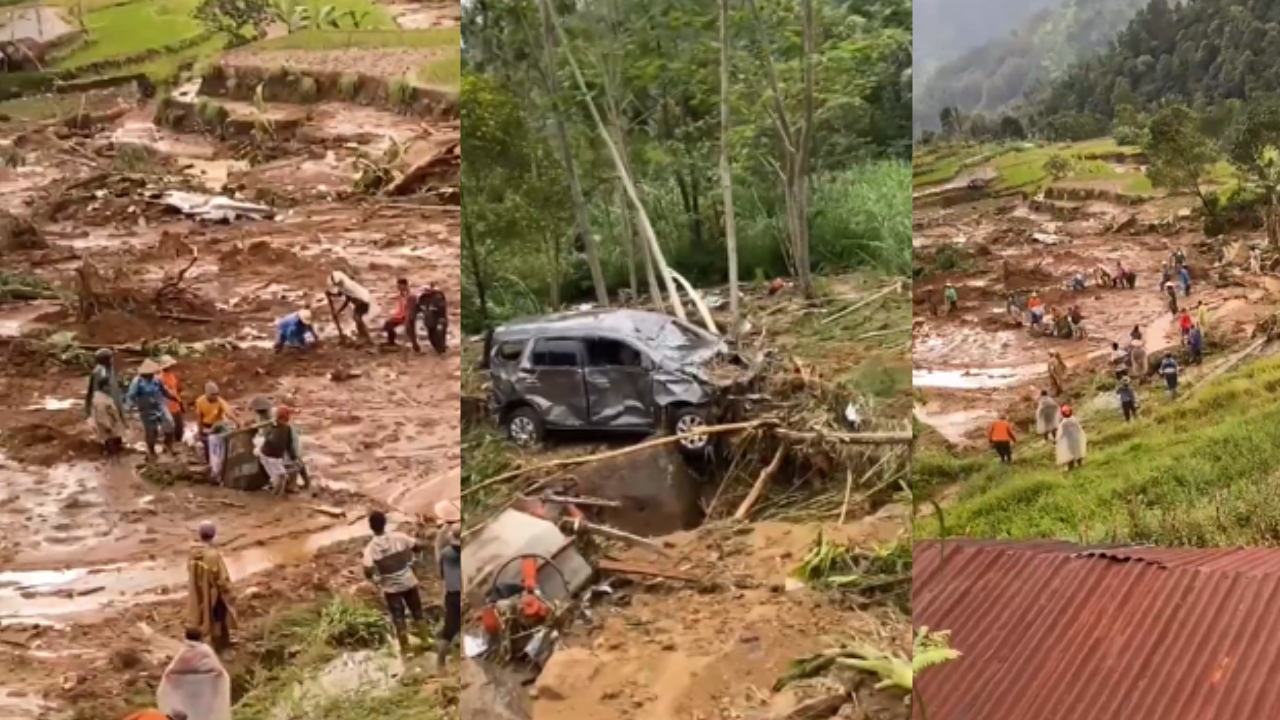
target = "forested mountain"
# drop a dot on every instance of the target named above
(1201, 52)
(943, 30)
(988, 78)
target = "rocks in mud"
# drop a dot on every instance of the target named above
(567, 673)
(790, 705)
(17, 234)
(658, 494)
(492, 693)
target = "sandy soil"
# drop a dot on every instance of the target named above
(391, 62)
(663, 650)
(88, 547)
(979, 361)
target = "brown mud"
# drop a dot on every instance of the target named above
(93, 547)
(970, 365)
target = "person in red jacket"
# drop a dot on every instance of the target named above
(402, 315)
(1184, 324)
(1002, 439)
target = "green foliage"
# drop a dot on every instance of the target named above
(239, 20)
(652, 71)
(1180, 155)
(1058, 166)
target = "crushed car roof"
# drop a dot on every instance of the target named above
(667, 335)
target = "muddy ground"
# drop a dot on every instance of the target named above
(89, 547)
(970, 365)
(713, 645)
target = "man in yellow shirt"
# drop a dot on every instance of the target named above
(213, 415)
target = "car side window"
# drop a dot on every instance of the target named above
(557, 354)
(509, 352)
(603, 352)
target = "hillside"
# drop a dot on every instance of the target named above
(945, 29)
(1203, 52)
(991, 76)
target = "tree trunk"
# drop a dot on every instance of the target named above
(803, 151)
(628, 240)
(620, 164)
(474, 265)
(561, 134)
(726, 172)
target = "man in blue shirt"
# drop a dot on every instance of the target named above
(148, 395)
(292, 330)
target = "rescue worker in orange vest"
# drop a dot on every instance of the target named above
(1002, 439)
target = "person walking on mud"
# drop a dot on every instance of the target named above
(355, 295)
(104, 404)
(449, 557)
(1171, 295)
(952, 298)
(1002, 438)
(1184, 279)
(388, 563)
(175, 427)
(931, 299)
(209, 593)
(1057, 373)
(148, 395)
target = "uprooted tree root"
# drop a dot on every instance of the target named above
(174, 297)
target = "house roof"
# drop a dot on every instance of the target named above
(1055, 631)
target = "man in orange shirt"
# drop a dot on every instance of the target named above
(1002, 439)
(175, 408)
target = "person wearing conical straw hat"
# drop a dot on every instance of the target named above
(293, 329)
(148, 395)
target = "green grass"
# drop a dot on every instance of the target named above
(338, 39)
(126, 30)
(1202, 472)
(444, 72)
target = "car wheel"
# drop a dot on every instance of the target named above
(688, 419)
(524, 427)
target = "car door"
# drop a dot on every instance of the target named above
(619, 380)
(551, 379)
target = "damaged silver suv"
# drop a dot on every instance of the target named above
(602, 370)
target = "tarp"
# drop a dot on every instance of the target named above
(197, 684)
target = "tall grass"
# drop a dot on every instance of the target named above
(860, 219)
(1202, 472)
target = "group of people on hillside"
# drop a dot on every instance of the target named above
(1055, 423)
(196, 685)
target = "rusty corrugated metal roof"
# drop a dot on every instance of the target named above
(1052, 631)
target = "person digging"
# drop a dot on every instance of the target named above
(353, 295)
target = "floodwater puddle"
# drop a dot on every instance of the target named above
(975, 379)
(18, 318)
(56, 509)
(51, 593)
(954, 427)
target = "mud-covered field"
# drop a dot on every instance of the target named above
(93, 553)
(971, 364)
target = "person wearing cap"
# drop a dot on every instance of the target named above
(1128, 399)
(292, 330)
(213, 420)
(209, 592)
(402, 316)
(449, 558)
(278, 450)
(387, 562)
(148, 395)
(104, 403)
(175, 408)
(1072, 443)
(353, 295)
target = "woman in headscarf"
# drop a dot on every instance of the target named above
(1072, 444)
(104, 405)
(195, 683)
(1057, 372)
(1047, 417)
